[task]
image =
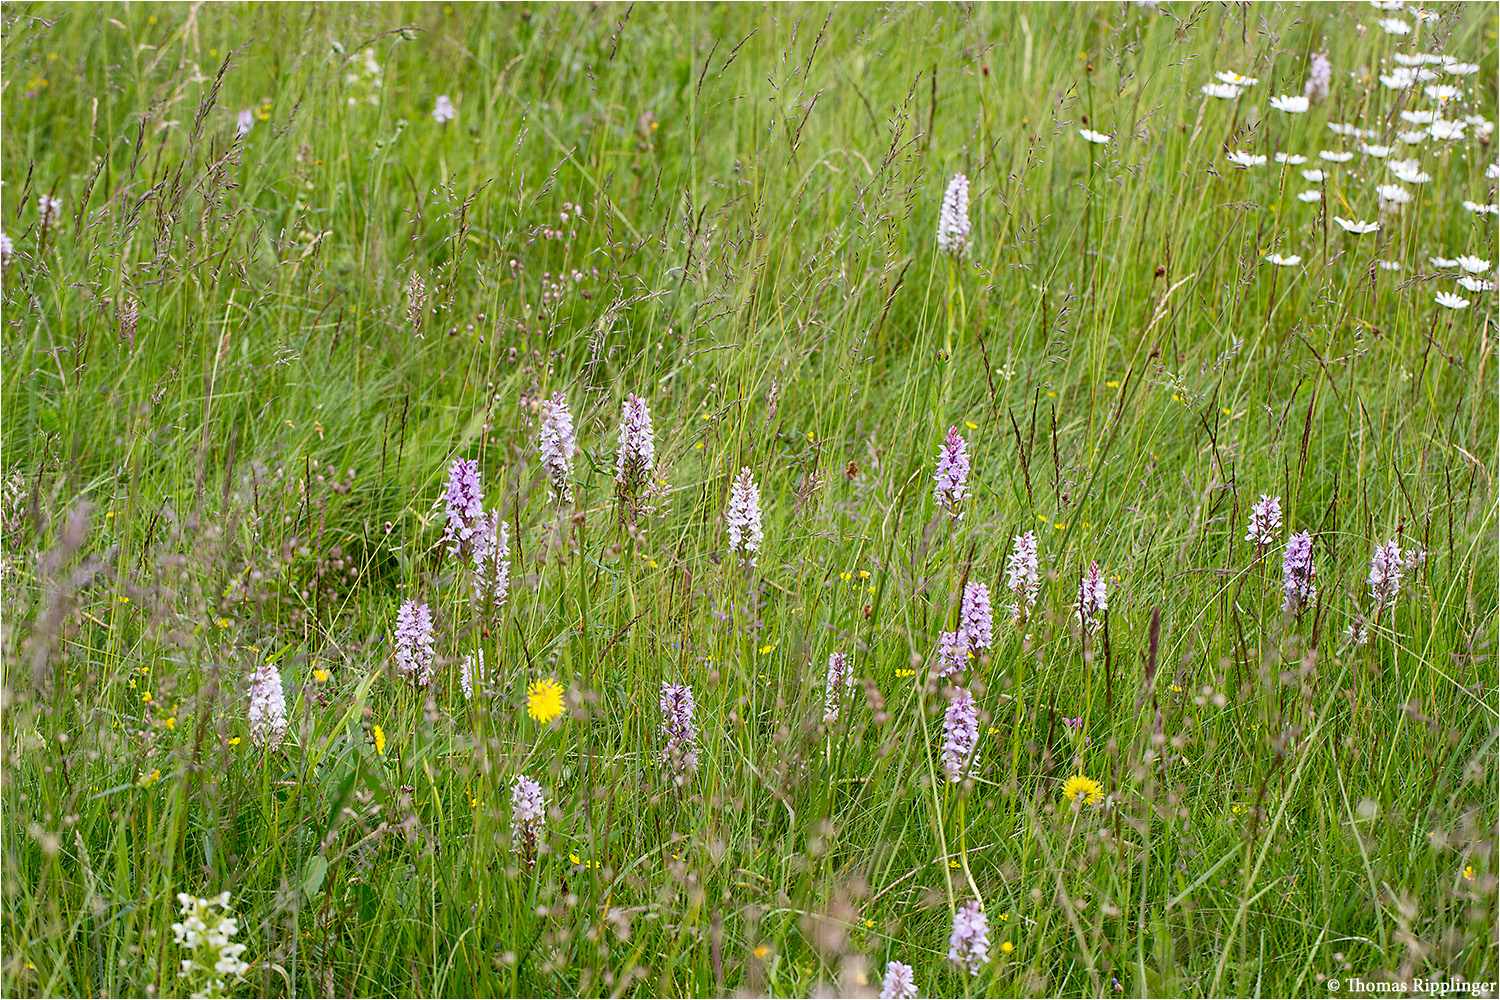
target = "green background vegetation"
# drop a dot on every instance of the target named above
(730, 210)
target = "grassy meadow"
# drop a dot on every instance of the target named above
(276, 298)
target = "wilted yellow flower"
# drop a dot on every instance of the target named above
(544, 701)
(1081, 789)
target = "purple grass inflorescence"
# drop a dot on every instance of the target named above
(680, 751)
(900, 982)
(465, 503)
(960, 734)
(952, 474)
(1265, 521)
(1093, 599)
(558, 445)
(1298, 592)
(969, 944)
(414, 642)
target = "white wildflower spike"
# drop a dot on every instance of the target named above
(953, 218)
(840, 685)
(267, 706)
(1023, 577)
(743, 518)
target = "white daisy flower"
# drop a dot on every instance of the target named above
(1407, 172)
(1461, 68)
(1474, 265)
(1095, 137)
(1424, 15)
(1474, 206)
(1379, 152)
(1442, 262)
(1398, 79)
(1419, 117)
(1444, 129)
(1291, 105)
(1476, 284)
(1408, 60)
(1413, 138)
(1335, 157)
(1450, 301)
(1230, 76)
(1387, 4)
(1310, 196)
(1482, 125)
(1357, 228)
(1242, 159)
(1388, 265)
(1223, 91)
(1433, 58)
(1314, 176)
(1442, 92)
(1280, 261)
(1292, 158)
(1392, 194)
(1394, 26)
(1492, 172)
(1339, 128)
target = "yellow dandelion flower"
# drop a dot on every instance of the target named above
(544, 701)
(320, 675)
(1081, 789)
(380, 741)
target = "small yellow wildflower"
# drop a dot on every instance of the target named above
(1006, 947)
(846, 576)
(864, 574)
(170, 723)
(652, 564)
(698, 446)
(1469, 872)
(380, 741)
(905, 673)
(1113, 383)
(320, 675)
(869, 923)
(1081, 789)
(544, 701)
(147, 780)
(971, 425)
(222, 622)
(234, 741)
(767, 648)
(761, 951)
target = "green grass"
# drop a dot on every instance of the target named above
(751, 199)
